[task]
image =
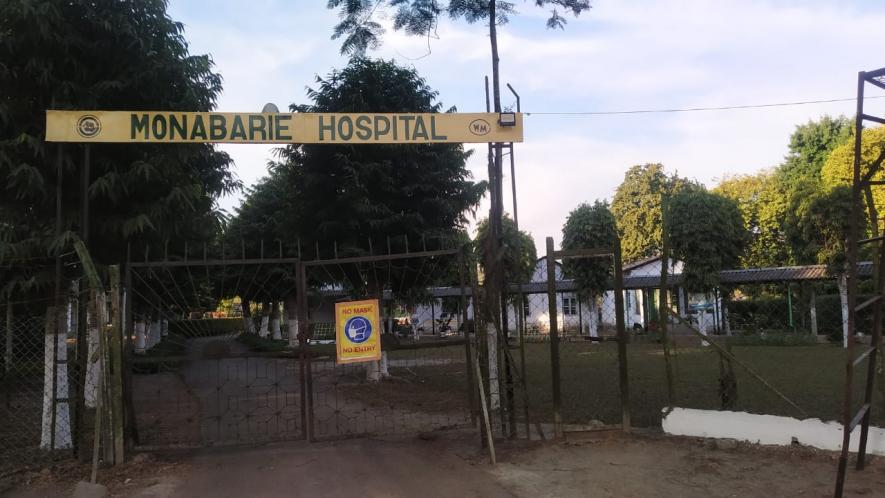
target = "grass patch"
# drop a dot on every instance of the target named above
(209, 327)
(262, 344)
(812, 376)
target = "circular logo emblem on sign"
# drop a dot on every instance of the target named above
(480, 127)
(88, 126)
(358, 329)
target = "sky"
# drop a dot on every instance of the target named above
(620, 55)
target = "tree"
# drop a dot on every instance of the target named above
(707, 234)
(764, 205)
(420, 18)
(84, 54)
(839, 166)
(519, 256)
(101, 55)
(810, 144)
(636, 207)
(412, 194)
(590, 226)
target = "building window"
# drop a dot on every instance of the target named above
(569, 306)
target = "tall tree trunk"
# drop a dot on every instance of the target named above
(248, 323)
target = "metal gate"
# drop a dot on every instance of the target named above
(242, 350)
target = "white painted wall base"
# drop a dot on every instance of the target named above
(766, 429)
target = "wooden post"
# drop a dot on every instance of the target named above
(115, 350)
(7, 353)
(554, 339)
(622, 338)
(663, 315)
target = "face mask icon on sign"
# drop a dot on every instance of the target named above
(358, 329)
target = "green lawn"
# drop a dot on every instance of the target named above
(812, 376)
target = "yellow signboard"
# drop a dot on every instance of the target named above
(357, 331)
(280, 128)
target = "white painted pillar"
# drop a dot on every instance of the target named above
(292, 322)
(55, 355)
(842, 282)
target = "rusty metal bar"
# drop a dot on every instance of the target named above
(584, 253)
(868, 302)
(875, 119)
(853, 231)
(554, 339)
(622, 338)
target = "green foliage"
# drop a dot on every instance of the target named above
(839, 166)
(414, 195)
(518, 249)
(810, 145)
(706, 233)
(589, 226)
(360, 31)
(763, 205)
(819, 224)
(637, 208)
(83, 54)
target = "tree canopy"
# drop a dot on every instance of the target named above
(839, 166)
(810, 144)
(763, 204)
(637, 208)
(101, 55)
(351, 196)
(706, 232)
(589, 226)
(359, 29)
(519, 253)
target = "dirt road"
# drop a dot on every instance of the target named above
(450, 464)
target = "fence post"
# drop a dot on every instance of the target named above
(7, 353)
(554, 339)
(468, 355)
(115, 346)
(622, 337)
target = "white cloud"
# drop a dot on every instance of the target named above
(621, 54)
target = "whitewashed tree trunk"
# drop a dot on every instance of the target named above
(93, 366)
(55, 379)
(140, 338)
(291, 307)
(812, 310)
(593, 319)
(154, 333)
(164, 327)
(275, 321)
(843, 299)
(377, 370)
(265, 321)
(494, 392)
